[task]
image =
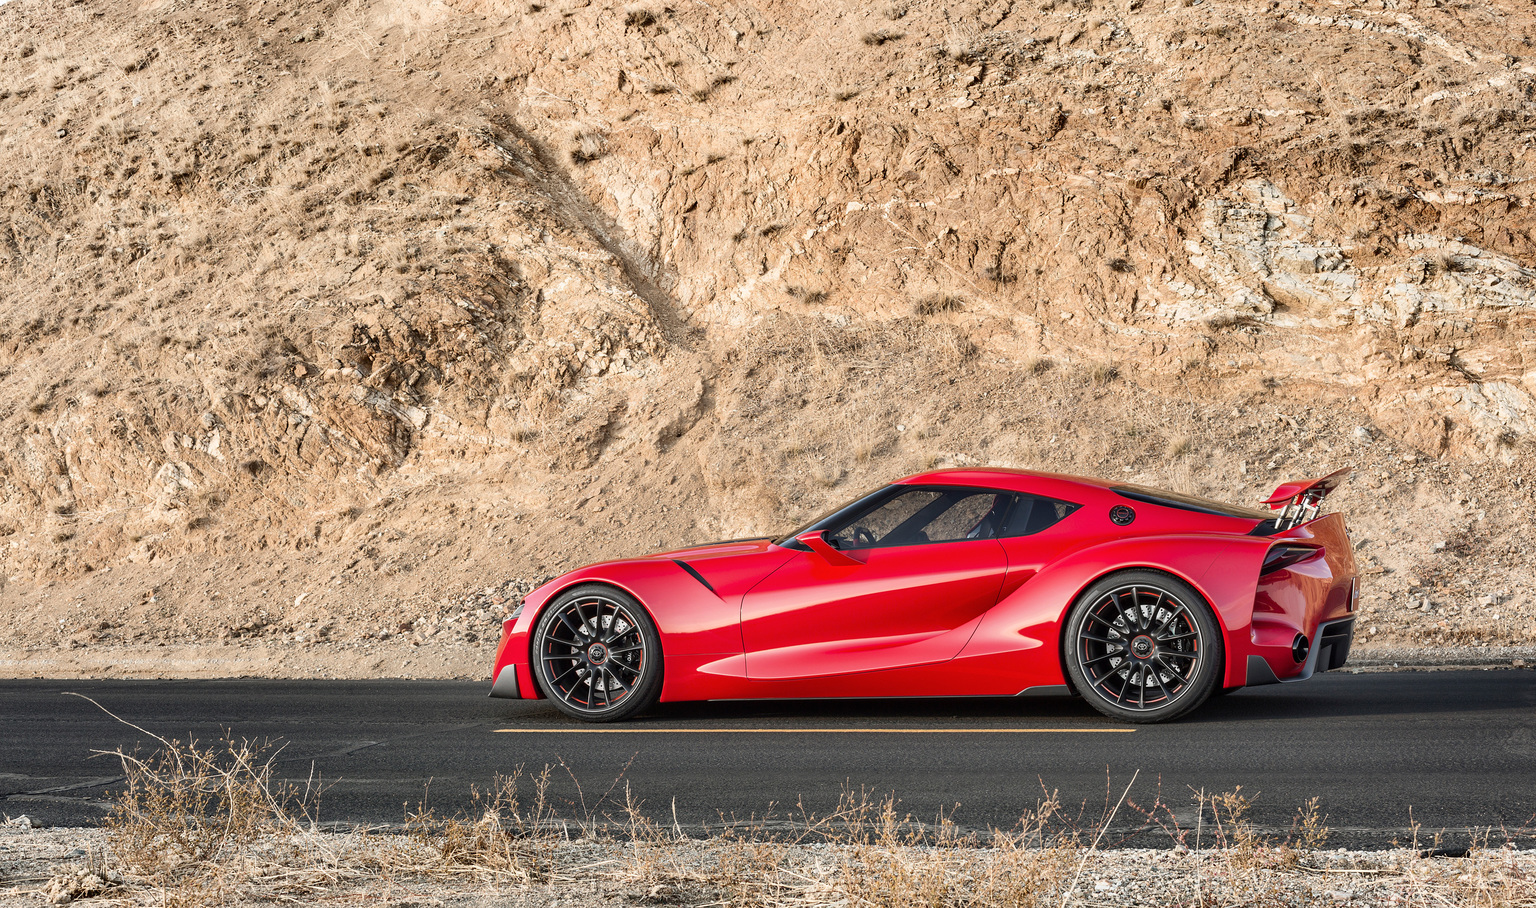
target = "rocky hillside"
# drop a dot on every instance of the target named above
(317, 317)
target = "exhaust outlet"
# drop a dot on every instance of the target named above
(1299, 648)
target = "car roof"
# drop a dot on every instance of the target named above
(1079, 489)
(1005, 478)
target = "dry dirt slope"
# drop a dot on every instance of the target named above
(317, 317)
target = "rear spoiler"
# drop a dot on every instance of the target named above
(1299, 502)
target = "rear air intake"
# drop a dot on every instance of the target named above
(1283, 556)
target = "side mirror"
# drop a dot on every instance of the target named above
(817, 541)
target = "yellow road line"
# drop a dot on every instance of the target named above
(812, 731)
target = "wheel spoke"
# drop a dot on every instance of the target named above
(1093, 616)
(1125, 615)
(1107, 641)
(575, 631)
(1158, 677)
(1125, 682)
(613, 678)
(591, 679)
(1103, 657)
(1162, 628)
(1183, 679)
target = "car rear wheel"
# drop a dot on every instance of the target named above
(597, 655)
(1143, 647)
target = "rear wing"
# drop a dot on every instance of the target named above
(1299, 502)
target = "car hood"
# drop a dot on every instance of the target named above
(717, 549)
(731, 568)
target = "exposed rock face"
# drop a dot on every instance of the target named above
(383, 297)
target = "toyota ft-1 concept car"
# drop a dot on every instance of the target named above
(958, 583)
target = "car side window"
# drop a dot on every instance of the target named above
(878, 527)
(1033, 513)
(976, 516)
(923, 516)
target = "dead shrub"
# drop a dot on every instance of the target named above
(503, 836)
(588, 146)
(1102, 374)
(639, 16)
(190, 813)
(935, 303)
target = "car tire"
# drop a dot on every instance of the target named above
(596, 654)
(1143, 646)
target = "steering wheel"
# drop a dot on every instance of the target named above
(863, 536)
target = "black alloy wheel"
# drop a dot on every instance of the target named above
(1143, 646)
(597, 655)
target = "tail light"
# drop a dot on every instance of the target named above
(1284, 556)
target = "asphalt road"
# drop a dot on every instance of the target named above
(1446, 750)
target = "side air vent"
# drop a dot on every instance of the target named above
(1284, 556)
(696, 575)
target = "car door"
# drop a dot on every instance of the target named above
(911, 576)
(1030, 538)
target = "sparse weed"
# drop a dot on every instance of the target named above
(881, 36)
(639, 16)
(588, 146)
(935, 303)
(1311, 830)
(1102, 374)
(501, 837)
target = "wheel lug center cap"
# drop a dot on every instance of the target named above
(597, 654)
(1142, 647)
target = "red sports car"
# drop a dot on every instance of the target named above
(958, 583)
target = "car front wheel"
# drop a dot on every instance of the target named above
(597, 655)
(1143, 647)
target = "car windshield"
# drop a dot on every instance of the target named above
(831, 518)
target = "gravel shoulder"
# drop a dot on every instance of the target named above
(58, 866)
